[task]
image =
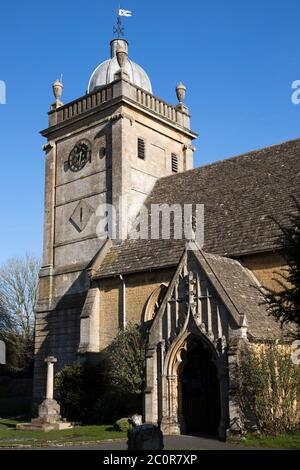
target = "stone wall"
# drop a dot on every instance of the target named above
(109, 311)
(15, 395)
(265, 266)
(57, 333)
(139, 288)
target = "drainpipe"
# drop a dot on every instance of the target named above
(123, 304)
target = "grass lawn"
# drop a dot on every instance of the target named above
(283, 441)
(9, 435)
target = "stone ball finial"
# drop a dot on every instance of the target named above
(57, 88)
(181, 92)
(122, 56)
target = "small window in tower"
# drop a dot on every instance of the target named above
(174, 163)
(141, 149)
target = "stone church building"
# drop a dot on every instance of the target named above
(200, 301)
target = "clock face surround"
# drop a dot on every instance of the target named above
(79, 156)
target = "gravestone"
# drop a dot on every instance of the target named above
(144, 436)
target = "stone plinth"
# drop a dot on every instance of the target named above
(49, 418)
(49, 410)
(38, 425)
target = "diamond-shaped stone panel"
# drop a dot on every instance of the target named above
(81, 215)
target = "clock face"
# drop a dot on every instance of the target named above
(80, 155)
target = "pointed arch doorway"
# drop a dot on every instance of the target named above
(198, 389)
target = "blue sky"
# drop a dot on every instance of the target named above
(237, 59)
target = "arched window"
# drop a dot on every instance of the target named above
(154, 302)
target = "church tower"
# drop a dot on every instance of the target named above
(114, 142)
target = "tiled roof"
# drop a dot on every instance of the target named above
(242, 289)
(241, 196)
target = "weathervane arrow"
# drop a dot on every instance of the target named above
(119, 29)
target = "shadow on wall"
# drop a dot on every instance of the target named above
(15, 396)
(60, 332)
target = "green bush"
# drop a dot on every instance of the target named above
(106, 393)
(127, 359)
(270, 389)
(122, 425)
(79, 387)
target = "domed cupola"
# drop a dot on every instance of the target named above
(105, 72)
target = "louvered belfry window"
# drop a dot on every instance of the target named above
(174, 163)
(141, 149)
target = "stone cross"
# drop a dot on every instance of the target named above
(49, 418)
(50, 376)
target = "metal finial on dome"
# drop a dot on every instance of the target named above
(119, 29)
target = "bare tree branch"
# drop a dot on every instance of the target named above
(18, 289)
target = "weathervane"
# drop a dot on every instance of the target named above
(119, 29)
